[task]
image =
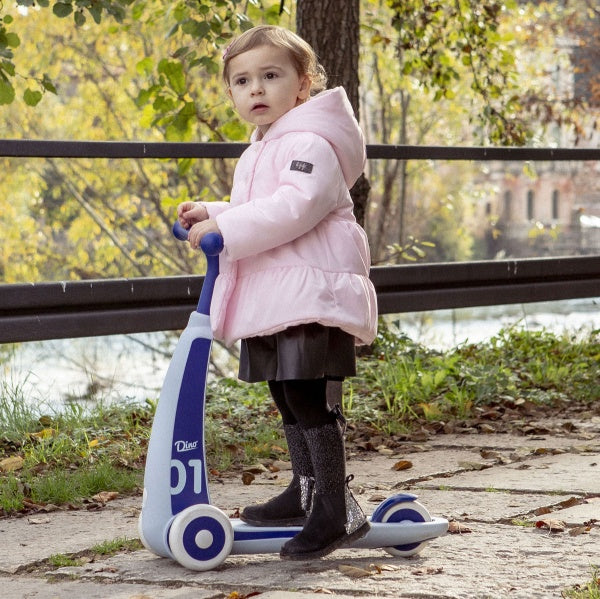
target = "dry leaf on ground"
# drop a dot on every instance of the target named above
(247, 478)
(11, 464)
(579, 530)
(456, 528)
(105, 496)
(428, 570)
(353, 571)
(551, 524)
(402, 465)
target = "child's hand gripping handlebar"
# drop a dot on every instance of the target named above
(212, 246)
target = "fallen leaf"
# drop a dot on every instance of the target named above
(353, 571)
(551, 524)
(105, 496)
(571, 502)
(402, 465)
(247, 477)
(456, 528)
(384, 568)
(579, 530)
(383, 450)
(46, 433)
(38, 520)
(488, 454)
(377, 498)
(11, 464)
(428, 570)
(541, 511)
(256, 469)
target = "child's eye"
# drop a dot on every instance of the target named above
(240, 81)
(270, 75)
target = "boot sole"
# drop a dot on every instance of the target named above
(342, 541)
(267, 523)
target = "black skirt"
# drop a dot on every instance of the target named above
(308, 351)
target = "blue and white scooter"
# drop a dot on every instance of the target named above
(177, 520)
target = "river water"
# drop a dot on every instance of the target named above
(132, 367)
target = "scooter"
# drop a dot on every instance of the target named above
(177, 520)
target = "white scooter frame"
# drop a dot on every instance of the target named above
(177, 520)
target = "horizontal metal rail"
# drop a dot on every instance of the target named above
(55, 310)
(104, 307)
(26, 148)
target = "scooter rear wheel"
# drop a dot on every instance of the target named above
(201, 537)
(403, 511)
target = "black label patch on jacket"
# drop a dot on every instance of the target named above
(303, 167)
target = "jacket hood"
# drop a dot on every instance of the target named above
(329, 115)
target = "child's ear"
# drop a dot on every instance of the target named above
(304, 91)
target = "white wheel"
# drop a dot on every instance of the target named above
(201, 537)
(403, 511)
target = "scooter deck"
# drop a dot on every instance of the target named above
(258, 539)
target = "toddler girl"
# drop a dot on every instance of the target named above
(293, 282)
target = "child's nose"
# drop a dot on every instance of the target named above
(257, 88)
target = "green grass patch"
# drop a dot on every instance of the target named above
(403, 383)
(63, 560)
(117, 545)
(589, 590)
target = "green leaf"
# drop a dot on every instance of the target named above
(184, 165)
(197, 29)
(48, 85)
(32, 97)
(7, 92)
(234, 130)
(145, 66)
(8, 19)
(96, 12)
(62, 9)
(12, 40)
(79, 18)
(7, 67)
(174, 73)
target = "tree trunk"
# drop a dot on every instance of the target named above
(331, 27)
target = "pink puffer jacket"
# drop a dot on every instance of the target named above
(293, 250)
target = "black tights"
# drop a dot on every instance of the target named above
(302, 401)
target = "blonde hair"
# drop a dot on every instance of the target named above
(302, 55)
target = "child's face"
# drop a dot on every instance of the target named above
(264, 85)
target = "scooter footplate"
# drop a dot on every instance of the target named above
(259, 539)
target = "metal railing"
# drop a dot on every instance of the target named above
(54, 310)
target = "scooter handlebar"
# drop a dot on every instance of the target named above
(211, 244)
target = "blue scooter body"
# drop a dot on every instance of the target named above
(177, 520)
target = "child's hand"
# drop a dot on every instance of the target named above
(189, 213)
(200, 229)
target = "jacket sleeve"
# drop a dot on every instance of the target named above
(215, 208)
(308, 187)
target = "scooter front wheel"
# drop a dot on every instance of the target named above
(403, 511)
(201, 537)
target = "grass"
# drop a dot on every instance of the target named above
(89, 447)
(105, 549)
(589, 590)
(402, 383)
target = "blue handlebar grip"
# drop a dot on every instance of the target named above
(212, 245)
(179, 232)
